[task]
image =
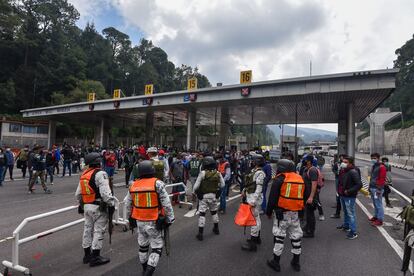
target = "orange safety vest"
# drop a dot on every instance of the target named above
(291, 192)
(87, 191)
(145, 203)
(222, 168)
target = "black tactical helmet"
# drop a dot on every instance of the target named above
(93, 159)
(257, 160)
(285, 165)
(146, 169)
(209, 163)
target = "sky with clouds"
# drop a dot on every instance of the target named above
(274, 38)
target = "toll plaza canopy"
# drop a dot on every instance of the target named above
(343, 98)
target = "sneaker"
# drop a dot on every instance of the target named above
(343, 228)
(372, 219)
(48, 191)
(261, 212)
(30, 192)
(352, 236)
(321, 217)
(51, 183)
(377, 223)
(335, 216)
(389, 205)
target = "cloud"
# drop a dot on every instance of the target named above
(276, 39)
(223, 37)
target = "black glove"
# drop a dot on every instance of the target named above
(111, 209)
(279, 214)
(132, 223)
(80, 209)
(161, 223)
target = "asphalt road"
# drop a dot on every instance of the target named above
(329, 253)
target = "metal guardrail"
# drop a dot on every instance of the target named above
(185, 202)
(118, 219)
(16, 241)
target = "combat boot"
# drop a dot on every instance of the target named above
(200, 233)
(87, 256)
(144, 268)
(250, 245)
(295, 262)
(275, 263)
(150, 270)
(258, 240)
(216, 229)
(97, 259)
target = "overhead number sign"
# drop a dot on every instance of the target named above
(117, 93)
(246, 76)
(91, 97)
(192, 84)
(149, 89)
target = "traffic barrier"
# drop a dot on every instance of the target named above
(16, 241)
(185, 202)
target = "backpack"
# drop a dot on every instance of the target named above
(321, 179)
(194, 167)
(178, 170)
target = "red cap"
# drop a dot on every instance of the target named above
(161, 152)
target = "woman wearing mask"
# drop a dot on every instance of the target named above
(388, 182)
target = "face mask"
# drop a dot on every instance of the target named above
(386, 163)
(344, 165)
(374, 161)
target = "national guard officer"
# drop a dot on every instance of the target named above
(252, 194)
(95, 196)
(149, 208)
(208, 188)
(285, 200)
(162, 169)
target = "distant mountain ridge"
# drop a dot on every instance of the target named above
(306, 134)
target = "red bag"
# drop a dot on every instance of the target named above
(244, 216)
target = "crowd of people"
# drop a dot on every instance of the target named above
(208, 177)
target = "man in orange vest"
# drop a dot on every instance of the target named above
(285, 200)
(149, 208)
(95, 195)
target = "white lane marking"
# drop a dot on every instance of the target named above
(192, 213)
(387, 236)
(406, 198)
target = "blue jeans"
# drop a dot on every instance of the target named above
(49, 171)
(223, 195)
(67, 164)
(377, 201)
(110, 171)
(348, 204)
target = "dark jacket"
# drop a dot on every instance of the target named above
(38, 161)
(274, 194)
(3, 159)
(378, 176)
(49, 160)
(349, 181)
